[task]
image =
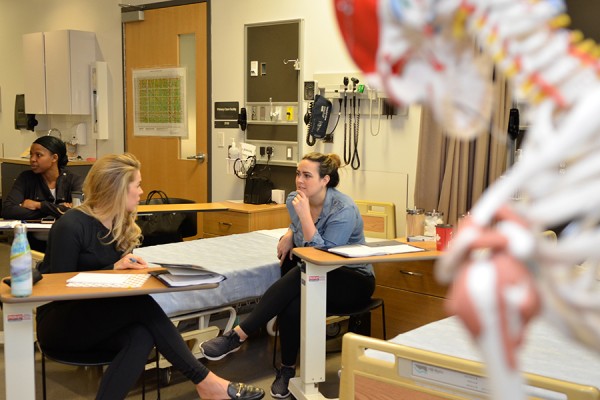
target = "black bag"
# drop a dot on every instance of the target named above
(257, 190)
(161, 228)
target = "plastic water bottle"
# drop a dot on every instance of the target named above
(20, 263)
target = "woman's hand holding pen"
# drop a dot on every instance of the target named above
(131, 261)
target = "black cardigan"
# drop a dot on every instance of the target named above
(30, 185)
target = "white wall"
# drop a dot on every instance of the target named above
(388, 161)
(24, 16)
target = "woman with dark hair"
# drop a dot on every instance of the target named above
(44, 190)
(321, 217)
(101, 234)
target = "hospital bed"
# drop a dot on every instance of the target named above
(248, 261)
(439, 361)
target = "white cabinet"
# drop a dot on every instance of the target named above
(57, 71)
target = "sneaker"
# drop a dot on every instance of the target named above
(279, 388)
(217, 348)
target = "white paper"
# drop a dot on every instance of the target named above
(92, 279)
(359, 250)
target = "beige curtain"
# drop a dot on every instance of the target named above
(452, 174)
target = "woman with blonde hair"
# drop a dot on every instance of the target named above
(101, 234)
(321, 217)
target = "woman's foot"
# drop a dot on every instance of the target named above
(279, 388)
(217, 348)
(215, 387)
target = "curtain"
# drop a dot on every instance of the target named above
(452, 174)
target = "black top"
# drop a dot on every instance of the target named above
(76, 243)
(30, 185)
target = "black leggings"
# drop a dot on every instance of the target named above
(127, 326)
(345, 288)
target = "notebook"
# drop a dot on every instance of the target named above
(374, 249)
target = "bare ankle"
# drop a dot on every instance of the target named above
(240, 333)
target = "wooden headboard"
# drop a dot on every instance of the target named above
(379, 219)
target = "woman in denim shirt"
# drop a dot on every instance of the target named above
(321, 217)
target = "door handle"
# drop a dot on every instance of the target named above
(200, 157)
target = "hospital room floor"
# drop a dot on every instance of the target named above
(251, 364)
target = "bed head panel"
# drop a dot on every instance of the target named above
(364, 377)
(379, 218)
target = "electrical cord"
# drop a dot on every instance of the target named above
(355, 163)
(346, 149)
(378, 116)
(310, 140)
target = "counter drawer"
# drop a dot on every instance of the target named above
(226, 223)
(405, 311)
(415, 276)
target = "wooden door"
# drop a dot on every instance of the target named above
(154, 43)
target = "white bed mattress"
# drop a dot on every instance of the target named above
(248, 261)
(546, 351)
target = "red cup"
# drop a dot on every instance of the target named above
(443, 235)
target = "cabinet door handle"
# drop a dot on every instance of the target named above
(225, 223)
(410, 273)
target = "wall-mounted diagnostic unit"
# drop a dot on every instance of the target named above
(273, 93)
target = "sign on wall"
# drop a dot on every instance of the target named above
(159, 102)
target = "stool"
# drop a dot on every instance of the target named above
(90, 359)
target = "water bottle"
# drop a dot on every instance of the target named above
(20, 263)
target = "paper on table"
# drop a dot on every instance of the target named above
(359, 250)
(8, 223)
(91, 279)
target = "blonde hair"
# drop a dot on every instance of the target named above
(106, 188)
(328, 165)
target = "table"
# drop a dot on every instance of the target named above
(189, 207)
(19, 321)
(313, 310)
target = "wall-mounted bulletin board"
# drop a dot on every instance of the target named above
(159, 102)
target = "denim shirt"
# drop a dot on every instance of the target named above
(339, 224)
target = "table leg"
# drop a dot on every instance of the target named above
(19, 359)
(312, 332)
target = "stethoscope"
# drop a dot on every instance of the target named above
(351, 156)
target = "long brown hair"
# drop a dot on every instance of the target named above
(328, 165)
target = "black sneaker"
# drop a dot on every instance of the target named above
(217, 348)
(279, 388)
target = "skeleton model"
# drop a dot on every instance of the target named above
(503, 271)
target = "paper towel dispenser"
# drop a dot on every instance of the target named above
(22, 119)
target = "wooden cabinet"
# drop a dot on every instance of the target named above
(57, 71)
(411, 294)
(242, 218)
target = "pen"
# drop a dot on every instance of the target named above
(133, 260)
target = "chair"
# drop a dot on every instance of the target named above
(91, 359)
(187, 228)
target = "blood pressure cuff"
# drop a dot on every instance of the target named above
(319, 119)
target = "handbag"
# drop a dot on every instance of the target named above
(160, 228)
